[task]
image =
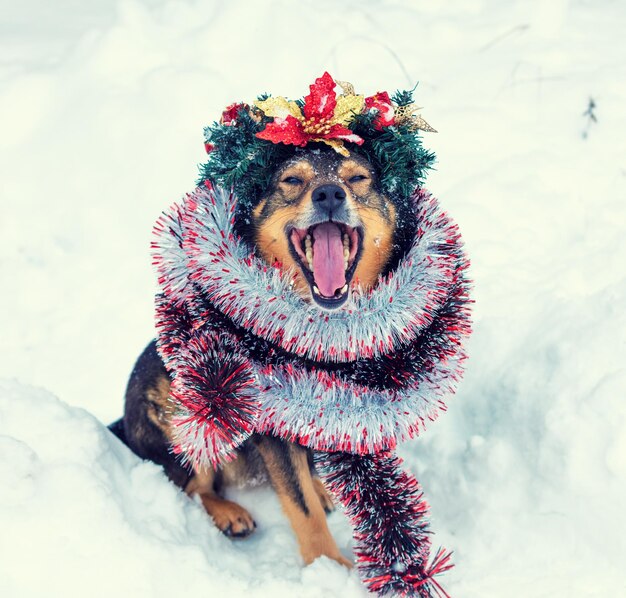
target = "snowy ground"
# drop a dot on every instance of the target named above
(102, 106)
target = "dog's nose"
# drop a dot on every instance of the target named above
(328, 198)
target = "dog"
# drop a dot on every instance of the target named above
(326, 223)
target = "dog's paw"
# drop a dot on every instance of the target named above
(312, 553)
(327, 502)
(231, 519)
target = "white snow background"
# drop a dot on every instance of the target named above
(102, 106)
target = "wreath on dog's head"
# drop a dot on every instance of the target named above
(251, 140)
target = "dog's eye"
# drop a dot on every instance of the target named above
(292, 180)
(356, 178)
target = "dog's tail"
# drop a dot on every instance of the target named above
(117, 427)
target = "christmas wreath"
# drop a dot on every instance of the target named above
(382, 129)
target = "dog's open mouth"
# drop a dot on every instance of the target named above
(328, 254)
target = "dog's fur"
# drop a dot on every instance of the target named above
(288, 205)
(290, 202)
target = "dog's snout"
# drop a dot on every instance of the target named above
(328, 198)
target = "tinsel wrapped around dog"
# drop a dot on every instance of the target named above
(247, 354)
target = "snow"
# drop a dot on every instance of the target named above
(102, 106)
(80, 511)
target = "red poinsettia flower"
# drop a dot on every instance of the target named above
(382, 104)
(323, 117)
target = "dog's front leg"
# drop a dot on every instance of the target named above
(290, 474)
(230, 518)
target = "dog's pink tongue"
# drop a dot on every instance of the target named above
(328, 264)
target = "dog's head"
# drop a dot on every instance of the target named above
(325, 218)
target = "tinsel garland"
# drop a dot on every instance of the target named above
(247, 354)
(213, 390)
(388, 513)
(260, 297)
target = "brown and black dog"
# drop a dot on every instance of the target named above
(325, 220)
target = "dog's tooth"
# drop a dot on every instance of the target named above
(308, 250)
(346, 253)
(344, 289)
(316, 290)
(345, 263)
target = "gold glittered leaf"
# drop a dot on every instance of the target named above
(346, 87)
(405, 115)
(279, 107)
(347, 106)
(337, 145)
(417, 122)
